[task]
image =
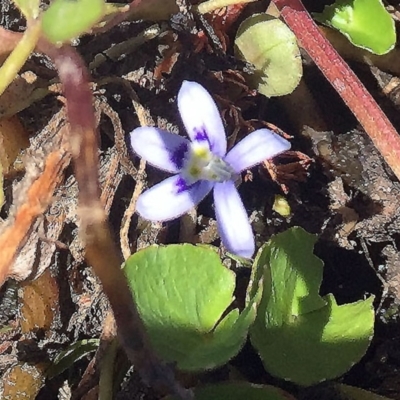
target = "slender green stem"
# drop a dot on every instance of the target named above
(19, 55)
(106, 382)
(30, 9)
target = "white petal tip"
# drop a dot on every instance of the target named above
(242, 252)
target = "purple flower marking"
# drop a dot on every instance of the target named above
(200, 135)
(182, 185)
(202, 164)
(178, 155)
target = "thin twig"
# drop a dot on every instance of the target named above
(126, 220)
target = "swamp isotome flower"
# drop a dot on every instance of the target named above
(202, 164)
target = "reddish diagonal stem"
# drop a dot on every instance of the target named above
(343, 79)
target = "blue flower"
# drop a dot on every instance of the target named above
(202, 164)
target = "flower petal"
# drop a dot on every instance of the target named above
(201, 117)
(233, 222)
(160, 148)
(171, 198)
(260, 145)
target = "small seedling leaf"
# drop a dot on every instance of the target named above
(268, 44)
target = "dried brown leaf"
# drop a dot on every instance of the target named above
(13, 140)
(40, 303)
(22, 381)
(35, 195)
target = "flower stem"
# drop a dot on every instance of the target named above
(101, 250)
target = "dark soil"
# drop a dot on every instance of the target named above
(340, 189)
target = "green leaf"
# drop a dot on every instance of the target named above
(271, 47)
(183, 292)
(68, 357)
(240, 391)
(366, 23)
(29, 8)
(299, 335)
(67, 19)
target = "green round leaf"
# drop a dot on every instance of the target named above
(240, 391)
(366, 23)
(299, 335)
(183, 292)
(271, 47)
(67, 19)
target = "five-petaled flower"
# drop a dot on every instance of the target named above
(202, 164)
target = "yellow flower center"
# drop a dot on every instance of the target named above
(202, 164)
